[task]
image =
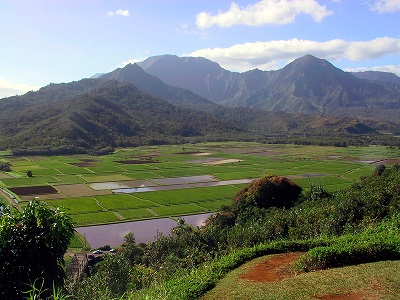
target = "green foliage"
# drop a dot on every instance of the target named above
(5, 166)
(33, 244)
(193, 284)
(381, 243)
(251, 201)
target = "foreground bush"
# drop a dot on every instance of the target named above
(192, 284)
(32, 248)
(381, 243)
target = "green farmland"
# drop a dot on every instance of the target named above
(164, 181)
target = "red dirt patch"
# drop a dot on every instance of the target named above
(276, 267)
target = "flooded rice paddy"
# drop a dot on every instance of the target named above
(144, 231)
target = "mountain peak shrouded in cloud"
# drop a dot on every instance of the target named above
(264, 12)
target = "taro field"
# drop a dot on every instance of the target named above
(171, 181)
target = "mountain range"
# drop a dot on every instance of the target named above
(170, 99)
(307, 85)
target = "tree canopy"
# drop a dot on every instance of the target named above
(32, 247)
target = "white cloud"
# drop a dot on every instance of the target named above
(391, 69)
(8, 88)
(119, 12)
(265, 55)
(264, 12)
(386, 6)
(131, 61)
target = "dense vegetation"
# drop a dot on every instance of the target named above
(354, 225)
(32, 247)
(95, 116)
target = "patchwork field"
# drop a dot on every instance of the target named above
(165, 181)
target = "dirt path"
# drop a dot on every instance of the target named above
(280, 266)
(276, 267)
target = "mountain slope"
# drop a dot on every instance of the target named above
(111, 114)
(204, 77)
(307, 85)
(152, 85)
(312, 85)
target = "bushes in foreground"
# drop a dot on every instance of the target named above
(381, 243)
(191, 284)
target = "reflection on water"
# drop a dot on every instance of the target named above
(144, 231)
(196, 220)
(133, 190)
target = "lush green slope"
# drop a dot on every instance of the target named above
(97, 115)
(108, 115)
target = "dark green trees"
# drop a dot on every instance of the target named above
(32, 247)
(253, 200)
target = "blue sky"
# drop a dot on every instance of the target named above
(46, 41)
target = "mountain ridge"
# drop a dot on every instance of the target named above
(330, 91)
(129, 107)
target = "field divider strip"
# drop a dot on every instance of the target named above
(119, 216)
(153, 212)
(98, 203)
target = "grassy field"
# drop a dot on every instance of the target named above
(380, 280)
(71, 176)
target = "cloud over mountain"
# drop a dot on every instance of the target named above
(269, 55)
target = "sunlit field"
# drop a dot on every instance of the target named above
(151, 182)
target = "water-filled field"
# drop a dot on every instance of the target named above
(170, 181)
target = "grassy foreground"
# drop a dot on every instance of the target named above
(379, 280)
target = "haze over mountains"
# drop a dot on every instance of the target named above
(168, 99)
(307, 85)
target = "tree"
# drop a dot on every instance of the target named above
(269, 191)
(379, 170)
(5, 166)
(32, 248)
(253, 200)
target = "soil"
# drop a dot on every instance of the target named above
(79, 190)
(280, 266)
(190, 153)
(34, 190)
(136, 162)
(276, 267)
(390, 162)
